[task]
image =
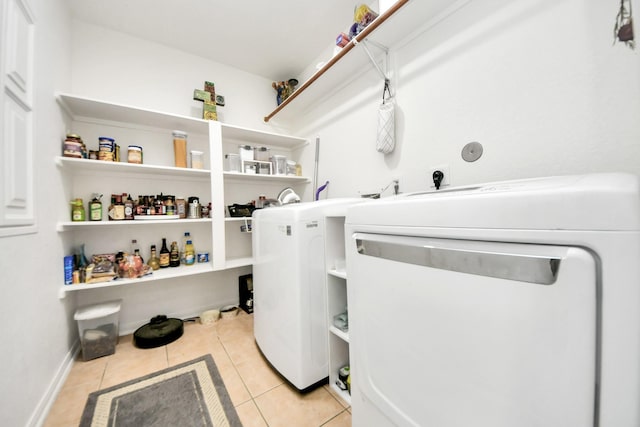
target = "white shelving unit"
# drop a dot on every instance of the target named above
(239, 187)
(336, 300)
(219, 235)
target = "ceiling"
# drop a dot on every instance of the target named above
(276, 39)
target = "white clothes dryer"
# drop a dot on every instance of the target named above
(497, 305)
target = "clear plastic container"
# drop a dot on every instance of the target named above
(261, 154)
(279, 164)
(98, 328)
(180, 148)
(246, 153)
(197, 159)
(232, 162)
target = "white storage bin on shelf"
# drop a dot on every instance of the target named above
(98, 328)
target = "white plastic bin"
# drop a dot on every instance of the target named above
(98, 328)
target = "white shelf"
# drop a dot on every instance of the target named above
(164, 273)
(73, 225)
(239, 262)
(344, 336)
(342, 274)
(389, 29)
(100, 166)
(254, 137)
(344, 394)
(251, 177)
(238, 219)
(96, 111)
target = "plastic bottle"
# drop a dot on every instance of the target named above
(164, 254)
(189, 253)
(154, 261)
(174, 256)
(187, 236)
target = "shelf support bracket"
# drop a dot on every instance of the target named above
(365, 45)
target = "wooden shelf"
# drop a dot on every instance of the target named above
(399, 22)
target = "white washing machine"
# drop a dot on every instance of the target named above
(289, 289)
(498, 305)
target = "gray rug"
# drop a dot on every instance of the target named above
(191, 394)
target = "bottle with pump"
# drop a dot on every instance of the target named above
(154, 261)
(174, 255)
(164, 254)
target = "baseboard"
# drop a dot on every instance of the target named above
(39, 415)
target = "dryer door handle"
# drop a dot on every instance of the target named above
(539, 269)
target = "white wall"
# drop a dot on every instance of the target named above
(115, 67)
(39, 329)
(537, 82)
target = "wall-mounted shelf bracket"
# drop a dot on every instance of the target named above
(365, 45)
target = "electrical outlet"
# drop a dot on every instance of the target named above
(446, 180)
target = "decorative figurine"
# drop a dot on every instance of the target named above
(284, 89)
(208, 97)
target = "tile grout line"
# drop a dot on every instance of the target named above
(245, 385)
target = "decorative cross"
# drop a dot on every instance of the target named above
(208, 97)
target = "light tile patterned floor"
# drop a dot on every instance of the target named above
(261, 397)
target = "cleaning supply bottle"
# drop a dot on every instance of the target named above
(189, 253)
(183, 246)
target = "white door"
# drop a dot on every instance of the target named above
(460, 333)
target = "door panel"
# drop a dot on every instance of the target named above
(451, 337)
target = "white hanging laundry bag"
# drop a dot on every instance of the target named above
(386, 138)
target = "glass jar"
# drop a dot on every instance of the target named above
(134, 155)
(77, 210)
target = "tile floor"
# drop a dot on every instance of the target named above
(261, 397)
